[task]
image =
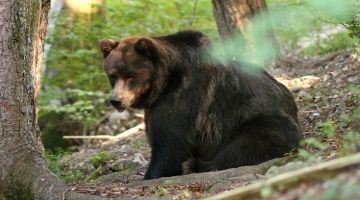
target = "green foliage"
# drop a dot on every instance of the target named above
(97, 173)
(55, 156)
(337, 12)
(101, 158)
(300, 23)
(88, 108)
(266, 192)
(300, 26)
(349, 143)
(71, 176)
(327, 128)
(332, 43)
(341, 187)
(61, 170)
(349, 140)
(159, 190)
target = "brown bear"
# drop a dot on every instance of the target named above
(202, 112)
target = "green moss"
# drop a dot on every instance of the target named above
(63, 171)
(71, 176)
(101, 158)
(98, 172)
(140, 142)
(101, 178)
(159, 190)
(18, 191)
(280, 162)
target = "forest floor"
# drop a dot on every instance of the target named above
(324, 91)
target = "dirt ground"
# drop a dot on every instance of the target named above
(323, 91)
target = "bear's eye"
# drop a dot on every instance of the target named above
(112, 78)
(129, 77)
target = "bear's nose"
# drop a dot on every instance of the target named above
(116, 102)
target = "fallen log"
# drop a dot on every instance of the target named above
(291, 179)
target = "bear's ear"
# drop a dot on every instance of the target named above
(191, 38)
(107, 45)
(146, 47)
(204, 42)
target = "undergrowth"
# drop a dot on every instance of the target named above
(349, 141)
(61, 170)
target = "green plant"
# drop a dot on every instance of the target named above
(299, 24)
(349, 141)
(159, 190)
(61, 170)
(337, 12)
(55, 156)
(71, 176)
(101, 158)
(267, 191)
(88, 107)
(331, 43)
(97, 173)
(314, 143)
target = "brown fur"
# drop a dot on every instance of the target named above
(202, 111)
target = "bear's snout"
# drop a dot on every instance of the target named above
(116, 103)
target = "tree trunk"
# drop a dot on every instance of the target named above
(244, 24)
(23, 169)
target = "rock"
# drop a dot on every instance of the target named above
(78, 161)
(140, 160)
(136, 161)
(289, 167)
(218, 186)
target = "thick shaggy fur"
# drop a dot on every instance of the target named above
(202, 112)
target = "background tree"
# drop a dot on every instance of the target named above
(86, 7)
(244, 23)
(23, 170)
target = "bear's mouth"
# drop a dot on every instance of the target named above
(120, 110)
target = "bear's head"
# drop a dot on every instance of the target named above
(130, 67)
(139, 68)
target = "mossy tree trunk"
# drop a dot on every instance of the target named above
(23, 169)
(244, 23)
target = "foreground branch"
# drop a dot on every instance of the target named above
(290, 179)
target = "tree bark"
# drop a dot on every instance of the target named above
(23, 169)
(243, 23)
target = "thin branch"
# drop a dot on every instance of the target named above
(124, 134)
